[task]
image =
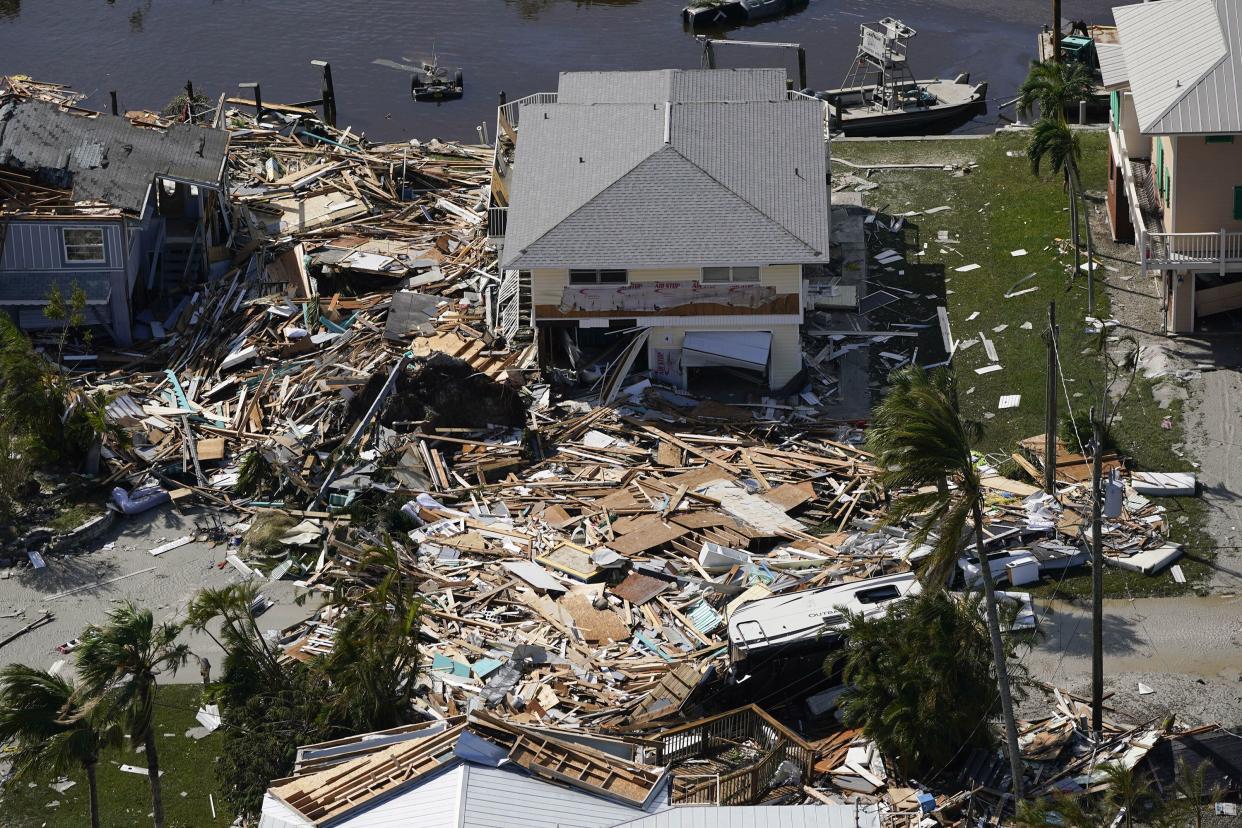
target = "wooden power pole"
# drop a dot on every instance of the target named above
(1097, 581)
(1056, 30)
(1050, 406)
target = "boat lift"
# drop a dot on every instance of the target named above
(710, 44)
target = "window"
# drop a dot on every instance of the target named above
(84, 245)
(1237, 203)
(1218, 139)
(877, 594)
(730, 274)
(1114, 106)
(598, 277)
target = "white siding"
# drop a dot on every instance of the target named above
(276, 814)
(498, 798)
(433, 804)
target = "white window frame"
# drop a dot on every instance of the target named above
(67, 245)
(737, 275)
(588, 276)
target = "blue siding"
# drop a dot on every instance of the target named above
(32, 246)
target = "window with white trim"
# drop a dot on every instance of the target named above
(83, 244)
(717, 275)
(598, 277)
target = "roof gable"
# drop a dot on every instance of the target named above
(1184, 62)
(666, 211)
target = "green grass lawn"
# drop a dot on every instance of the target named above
(125, 798)
(996, 208)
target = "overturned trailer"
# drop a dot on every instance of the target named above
(789, 624)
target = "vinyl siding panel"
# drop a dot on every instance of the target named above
(498, 798)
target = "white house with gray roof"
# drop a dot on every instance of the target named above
(1175, 161)
(683, 202)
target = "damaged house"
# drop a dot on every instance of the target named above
(124, 209)
(1175, 152)
(686, 205)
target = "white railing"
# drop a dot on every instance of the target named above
(1221, 249)
(1121, 154)
(510, 111)
(795, 95)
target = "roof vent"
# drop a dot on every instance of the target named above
(668, 121)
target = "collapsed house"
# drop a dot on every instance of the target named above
(128, 209)
(686, 204)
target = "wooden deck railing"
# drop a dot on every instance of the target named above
(722, 732)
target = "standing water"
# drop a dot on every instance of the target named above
(147, 49)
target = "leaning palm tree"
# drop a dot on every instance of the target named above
(1053, 141)
(118, 663)
(41, 715)
(922, 445)
(1055, 87)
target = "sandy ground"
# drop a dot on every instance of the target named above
(1188, 650)
(165, 584)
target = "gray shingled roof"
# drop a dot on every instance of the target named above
(32, 289)
(107, 158)
(679, 85)
(737, 183)
(1184, 64)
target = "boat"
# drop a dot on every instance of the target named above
(814, 618)
(432, 82)
(881, 96)
(719, 13)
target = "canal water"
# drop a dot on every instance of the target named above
(147, 49)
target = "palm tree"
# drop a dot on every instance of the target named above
(118, 663)
(920, 440)
(1056, 87)
(250, 662)
(375, 655)
(41, 714)
(1128, 789)
(1053, 141)
(1191, 786)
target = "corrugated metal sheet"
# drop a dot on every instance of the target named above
(433, 804)
(762, 816)
(1112, 63)
(495, 797)
(106, 159)
(1184, 61)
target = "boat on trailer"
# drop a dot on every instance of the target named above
(881, 96)
(786, 624)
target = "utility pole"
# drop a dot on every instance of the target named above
(1097, 582)
(1050, 405)
(1056, 30)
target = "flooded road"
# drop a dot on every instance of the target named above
(148, 49)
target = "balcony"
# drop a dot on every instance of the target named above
(1221, 251)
